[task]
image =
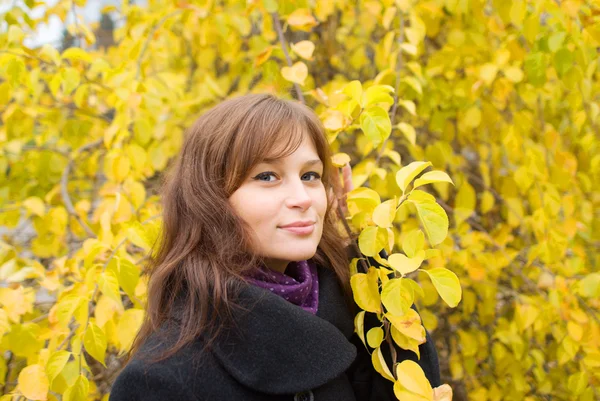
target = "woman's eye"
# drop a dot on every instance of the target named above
(262, 175)
(317, 176)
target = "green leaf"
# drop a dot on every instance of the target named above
(535, 68)
(447, 285)
(563, 61)
(375, 123)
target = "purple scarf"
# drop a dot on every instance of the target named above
(298, 285)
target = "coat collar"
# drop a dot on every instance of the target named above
(284, 349)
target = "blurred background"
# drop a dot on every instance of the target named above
(95, 97)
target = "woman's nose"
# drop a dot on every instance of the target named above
(299, 195)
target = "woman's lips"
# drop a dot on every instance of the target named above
(300, 230)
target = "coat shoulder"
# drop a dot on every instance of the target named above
(151, 382)
(180, 376)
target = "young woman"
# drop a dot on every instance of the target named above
(249, 292)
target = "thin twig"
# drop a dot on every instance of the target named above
(150, 36)
(399, 64)
(288, 59)
(64, 180)
(78, 35)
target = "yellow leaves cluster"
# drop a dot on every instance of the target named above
(505, 106)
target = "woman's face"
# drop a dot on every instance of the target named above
(281, 193)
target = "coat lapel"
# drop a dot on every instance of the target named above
(280, 348)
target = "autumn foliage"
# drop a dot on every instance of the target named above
(472, 131)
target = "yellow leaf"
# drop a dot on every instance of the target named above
(409, 325)
(304, 49)
(359, 325)
(128, 326)
(120, 167)
(263, 56)
(95, 343)
(413, 242)
(70, 80)
(380, 365)
(432, 176)
(365, 290)
(442, 393)
(412, 378)
(65, 308)
(15, 34)
(409, 48)
(56, 363)
(377, 94)
(472, 117)
(76, 53)
(375, 123)
(78, 391)
(48, 52)
(384, 214)
(375, 337)
(407, 173)
(297, 73)
(487, 201)
(109, 285)
(395, 298)
(404, 264)
(340, 159)
(302, 19)
(35, 205)
(409, 132)
(33, 382)
(334, 120)
(514, 74)
(409, 105)
(575, 331)
(447, 285)
(433, 218)
(488, 72)
(372, 240)
(354, 90)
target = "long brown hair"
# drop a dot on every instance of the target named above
(205, 249)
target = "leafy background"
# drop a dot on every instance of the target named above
(501, 95)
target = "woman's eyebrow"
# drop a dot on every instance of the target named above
(306, 163)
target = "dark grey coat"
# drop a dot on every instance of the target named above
(284, 354)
